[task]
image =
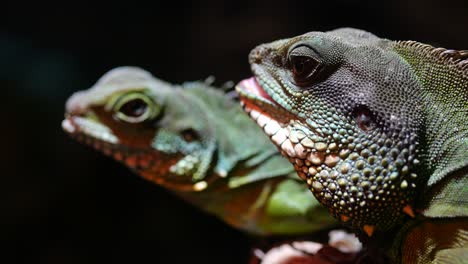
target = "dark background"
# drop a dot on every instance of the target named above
(64, 203)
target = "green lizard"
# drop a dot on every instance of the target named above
(195, 141)
(379, 131)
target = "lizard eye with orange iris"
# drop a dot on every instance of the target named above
(304, 65)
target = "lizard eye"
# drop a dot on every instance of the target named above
(135, 108)
(304, 64)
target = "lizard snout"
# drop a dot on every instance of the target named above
(75, 105)
(258, 53)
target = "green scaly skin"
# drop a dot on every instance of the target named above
(378, 130)
(195, 141)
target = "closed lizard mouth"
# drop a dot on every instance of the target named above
(102, 139)
(75, 125)
(93, 134)
(148, 163)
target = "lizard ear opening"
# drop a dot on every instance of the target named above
(135, 108)
(190, 135)
(364, 118)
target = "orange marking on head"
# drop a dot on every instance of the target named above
(344, 218)
(409, 211)
(369, 229)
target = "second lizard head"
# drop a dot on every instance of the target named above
(143, 122)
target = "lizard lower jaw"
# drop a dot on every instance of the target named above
(75, 125)
(153, 165)
(102, 139)
(294, 144)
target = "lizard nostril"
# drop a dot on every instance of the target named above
(76, 105)
(257, 54)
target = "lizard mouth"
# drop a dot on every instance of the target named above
(251, 89)
(256, 102)
(101, 138)
(159, 167)
(76, 126)
(254, 97)
(286, 131)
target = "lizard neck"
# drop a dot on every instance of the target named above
(237, 138)
(443, 75)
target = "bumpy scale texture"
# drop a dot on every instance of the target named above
(352, 112)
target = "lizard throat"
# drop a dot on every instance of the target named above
(355, 181)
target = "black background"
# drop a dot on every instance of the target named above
(64, 203)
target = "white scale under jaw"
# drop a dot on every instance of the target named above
(294, 142)
(90, 128)
(307, 156)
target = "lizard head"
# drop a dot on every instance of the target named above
(344, 109)
(141, 121)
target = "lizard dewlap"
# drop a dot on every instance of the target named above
(370, 124)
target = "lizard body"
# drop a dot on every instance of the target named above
(195, 141)
(377, 129)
